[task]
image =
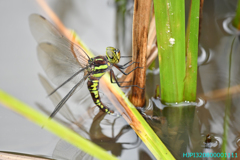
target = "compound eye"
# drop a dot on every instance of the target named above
(110, 54)
(116, 51)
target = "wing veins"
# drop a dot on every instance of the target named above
(67, 81)
(64, 100)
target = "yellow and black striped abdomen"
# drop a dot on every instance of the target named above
(93, 87)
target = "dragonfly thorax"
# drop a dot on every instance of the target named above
(98, 66)
(113, 54)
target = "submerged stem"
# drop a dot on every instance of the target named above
(141, 18)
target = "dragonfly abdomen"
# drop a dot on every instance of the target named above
(93, 87)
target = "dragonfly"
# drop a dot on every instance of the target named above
(61, 58)
(87, 126)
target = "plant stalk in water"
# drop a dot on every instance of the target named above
(177, 53)
(190, 82)
(141, 18)
(170, 26)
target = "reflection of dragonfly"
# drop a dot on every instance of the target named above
(96, 128)
(62, 59)
(112, 143)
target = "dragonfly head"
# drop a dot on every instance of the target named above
(113, 54)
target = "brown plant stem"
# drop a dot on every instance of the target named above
(141, 17)
(151, 49)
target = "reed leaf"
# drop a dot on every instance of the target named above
(54, 127)
(170, 26)
(190, 82)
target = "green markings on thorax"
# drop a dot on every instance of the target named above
(104, 66)
(99, 59)
(97, 75)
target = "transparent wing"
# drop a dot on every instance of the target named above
(57, 65)
(56, 98)
(70, 93)
(65, 51)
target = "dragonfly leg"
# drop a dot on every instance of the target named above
(126, 65)
(112, 76)
(147, 117)
(117, 66)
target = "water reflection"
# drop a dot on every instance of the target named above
(63, 150)
(191, 128)
(110, 142)
(186, 132)
(109, 132)
(203, 56)
(228, 27)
